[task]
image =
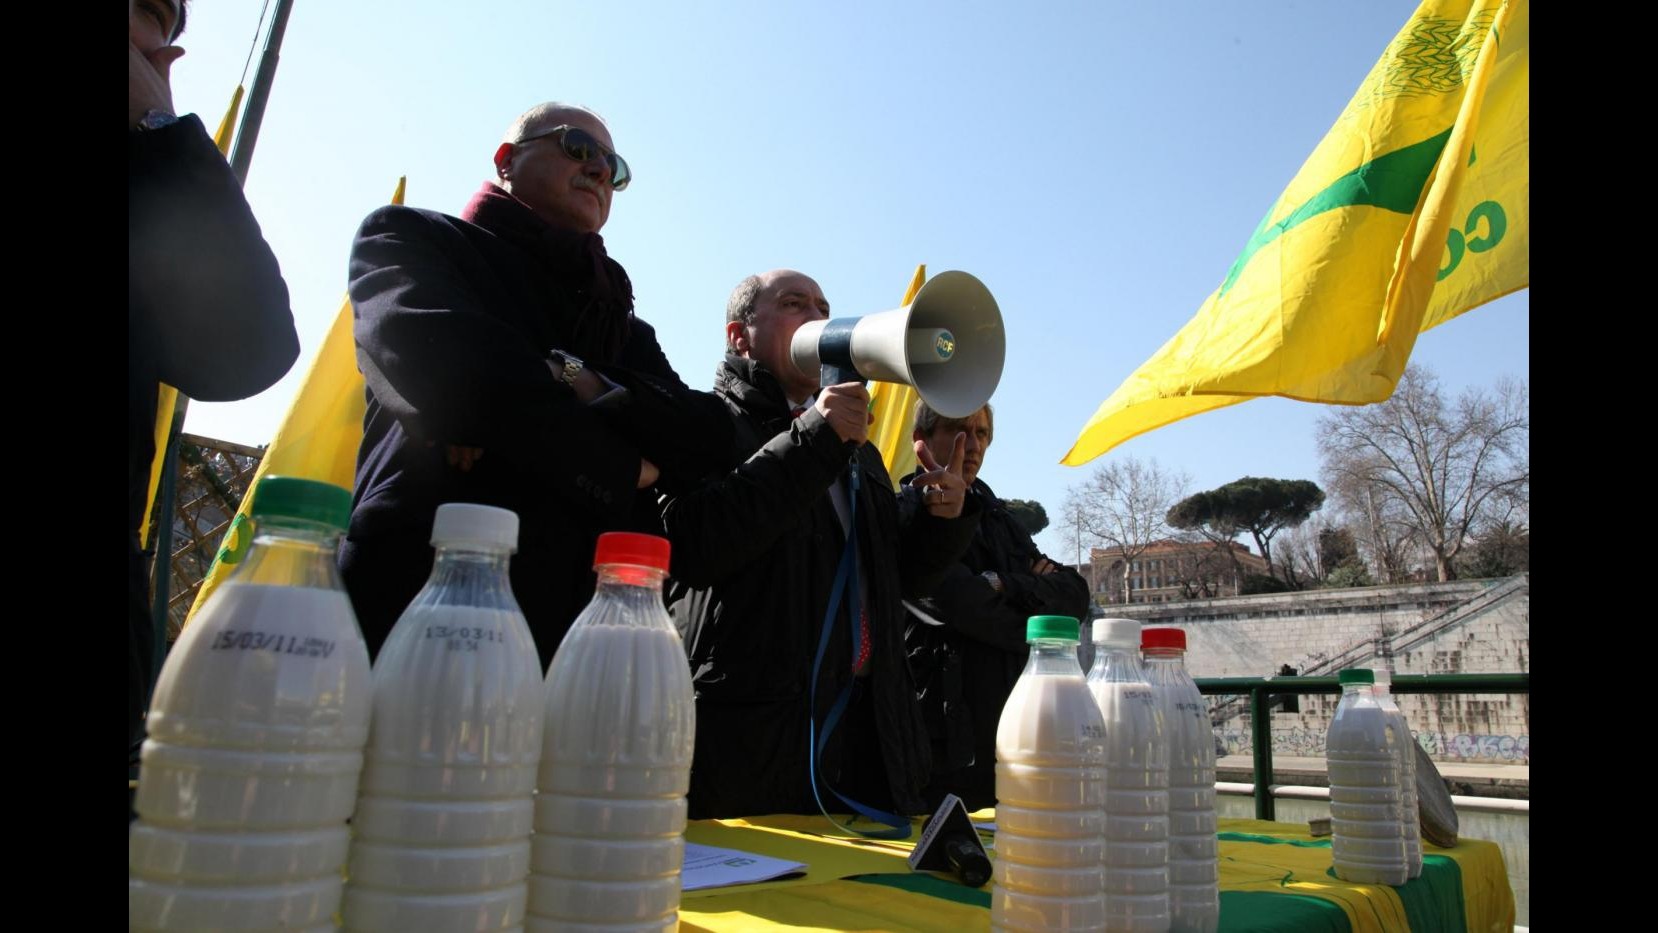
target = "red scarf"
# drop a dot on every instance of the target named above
(599, 289)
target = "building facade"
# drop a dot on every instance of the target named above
(1171, 570)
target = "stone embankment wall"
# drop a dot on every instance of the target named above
(1462, 627)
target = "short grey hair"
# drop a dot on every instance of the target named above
(740, 306)
(927, 420)
(534, 118)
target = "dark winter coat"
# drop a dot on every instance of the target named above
(966, 669)
(454, 323)
(755, 555)
(207, 313)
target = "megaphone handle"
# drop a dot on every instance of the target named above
(832, 375)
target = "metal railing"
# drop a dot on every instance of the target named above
(1261, 691)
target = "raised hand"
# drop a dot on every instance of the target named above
(943, 490)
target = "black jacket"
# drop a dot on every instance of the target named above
(755, 552)
(966, 669)
(454, 323)
(207, 313)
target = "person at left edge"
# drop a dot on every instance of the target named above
(505, 366)
(207, 310)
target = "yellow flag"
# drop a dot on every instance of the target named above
(221, 137)
(893, 405)
(167, 399)
(318, 438)
(1414, 208)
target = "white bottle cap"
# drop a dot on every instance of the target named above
(464, 524)
(1384, 677)
(1117, 632)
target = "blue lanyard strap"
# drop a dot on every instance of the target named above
(846, 579)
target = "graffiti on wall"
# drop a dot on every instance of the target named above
(1443, 746)
(1465, 747)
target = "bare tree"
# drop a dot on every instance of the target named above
(1123, 505)
(1418, 468)
(1301, 561)
(1203, 571)
(1314, 551)
(1385, 536)
(1501, 544)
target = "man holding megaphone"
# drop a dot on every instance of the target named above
(789, 569)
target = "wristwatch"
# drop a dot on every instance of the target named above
(566, 367)
(155, 120)
(993, 579)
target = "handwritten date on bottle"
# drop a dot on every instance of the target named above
(303, 646)
(462, 637)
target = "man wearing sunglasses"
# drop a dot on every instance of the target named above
(505, 366)
(760, 556)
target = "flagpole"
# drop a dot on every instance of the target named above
(241, 156)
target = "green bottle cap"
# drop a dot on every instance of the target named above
(1356, 675)
(307, 499)
(1051, 627)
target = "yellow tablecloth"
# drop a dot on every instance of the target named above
(1274, 877)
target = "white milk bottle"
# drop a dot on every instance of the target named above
(1367, 837)
(442, 831)
(1050, 785)
(1136, 782)
(616, 758)
(1410, 816)
(1194, 868)
(256, 735)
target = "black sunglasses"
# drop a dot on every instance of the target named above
(578, 144)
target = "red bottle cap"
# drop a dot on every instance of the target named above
(626, 547)
(1163, 638)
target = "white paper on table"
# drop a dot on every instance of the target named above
(713, 867)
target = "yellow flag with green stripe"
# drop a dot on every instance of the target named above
(893, 405)
(318, 438)
(1414, 208)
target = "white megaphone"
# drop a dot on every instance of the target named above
(948, 343)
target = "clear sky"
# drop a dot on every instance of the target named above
(1098, 165)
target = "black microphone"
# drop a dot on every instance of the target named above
(968, 859)
(949, 843)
